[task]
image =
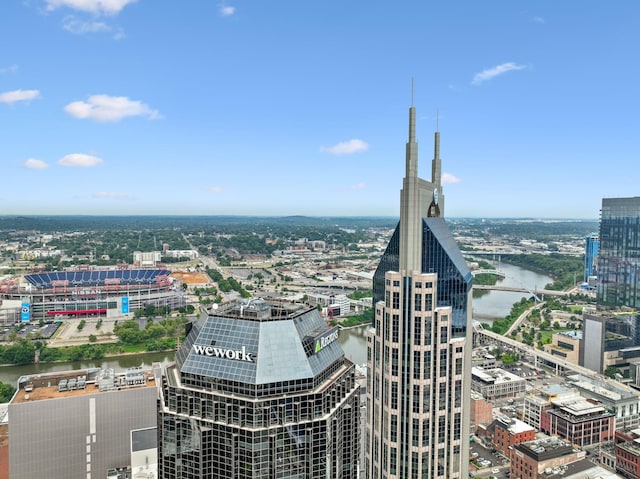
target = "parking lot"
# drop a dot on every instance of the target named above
(29, 331)
(491, 462)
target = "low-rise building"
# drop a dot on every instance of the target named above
(496, 383)
(481, 411)
(529, 460)
(535, 404)
(616, 397)
(78, 423)
(581, 421)
(510, 431)
(565, 345)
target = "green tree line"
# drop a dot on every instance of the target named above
(563, 269)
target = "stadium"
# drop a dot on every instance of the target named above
(55, 295)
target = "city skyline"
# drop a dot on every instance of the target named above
(128, 107)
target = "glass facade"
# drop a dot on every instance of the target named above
(592, 246)
(440, 254)
(619, 256)
(259, 390)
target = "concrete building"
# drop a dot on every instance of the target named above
(622, 400)
(181, 253)
(496, 383)
(419, 356)
(565, 345)
(78, 423)
(535, 404)
(612, 339)
(146, 259)
(259, 389)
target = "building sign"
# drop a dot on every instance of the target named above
(25, 312)
(326, 339)
(125, 305)
(212, 351)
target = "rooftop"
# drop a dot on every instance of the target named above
(494, 376)
(572, 334)
(609, 389)
(50, 386)
(545, 448)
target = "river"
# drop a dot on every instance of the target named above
(488, 306)
(491, 305)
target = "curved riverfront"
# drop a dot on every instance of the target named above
(492, 305)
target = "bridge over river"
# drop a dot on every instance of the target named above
(537, 292)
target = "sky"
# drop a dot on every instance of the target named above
(289, 107)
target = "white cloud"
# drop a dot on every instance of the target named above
(538, 20)
(80, 27)
(496, 71)
(226, 11)
(97, 7)
(18, 95)
(448, 179)
(358, 186)
(109, 108)
(347, 147)
(214, 189)
(111, 195)
(34, 164)
(79, 160)
(10, 69)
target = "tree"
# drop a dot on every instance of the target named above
(611, 372)
(20, 352)
(6, 392)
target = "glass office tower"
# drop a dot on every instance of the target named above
(259, 390)
(619, 256)
(418, 352)
(591, 248)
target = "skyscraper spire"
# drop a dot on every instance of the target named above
(436, 164)
(419, 350)
(410, 204)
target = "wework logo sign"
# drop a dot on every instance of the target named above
(237, 354)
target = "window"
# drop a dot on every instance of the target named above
(418, 302)
(417, 331)
(395, 328)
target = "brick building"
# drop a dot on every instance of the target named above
(530, 459)
(510, 431)
(580, 421)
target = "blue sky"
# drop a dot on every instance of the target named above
(290, 107)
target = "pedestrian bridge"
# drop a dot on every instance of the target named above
(516, 289)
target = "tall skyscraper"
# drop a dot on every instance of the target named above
(591, 248)
(619, 257)
(611, 334)
(418, 351)
(259, 389)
